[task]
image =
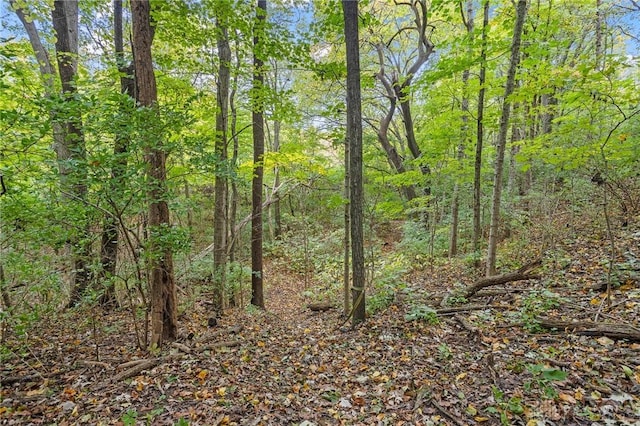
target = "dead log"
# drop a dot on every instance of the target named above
(135, 370)
(320, 307)
(521, 274)
(589, 328)
(219, 345)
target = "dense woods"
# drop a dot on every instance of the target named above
(318, 211)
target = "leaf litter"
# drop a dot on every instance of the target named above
(293, 366)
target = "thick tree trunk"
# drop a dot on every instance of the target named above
(477, 168)
(257, 292)
(502, 136)
(354, 138)
(164, 318)
(220, 209)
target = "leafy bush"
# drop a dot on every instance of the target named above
(423, 313)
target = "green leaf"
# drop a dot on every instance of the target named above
(553, 374)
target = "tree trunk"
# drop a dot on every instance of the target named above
(109, 246)
(346, 273)
(233, 203)
(465, 137)
(477, 172)
(354, 138)
(257, 292)
(393, 157)
(164, 318)
(220, 209)
(502, 136)
(72, 151)
(277, 232)
(599, 36)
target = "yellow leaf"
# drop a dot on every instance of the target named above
(3, 410)
(261, 344)
(595, 301)
(578, 394)
(471, 410)
(480, 419)
(221, 391)
(202, 375)
(567, 398)
(461, 376)
(35, 392)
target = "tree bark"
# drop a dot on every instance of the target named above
(354, 138)
(346, 271)
(164, 318)
(220, 209)
(502, 136)
(465, 137)
(477, 172)
(257, 292)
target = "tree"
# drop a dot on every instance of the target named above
(221, 167)
(521, 12)
(164, 317)
(109, 246)
(72, 154)
(257, 296)
(354, 142)
(464, 137)
(477, 167)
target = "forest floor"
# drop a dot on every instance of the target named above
(406, 365)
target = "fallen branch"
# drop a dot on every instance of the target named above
(228, 344)
(320, 307)
(134, 371)
(467, 325)
(184, 348)
(218, 333)
(521, 274)
(8, 380)
(588, 328)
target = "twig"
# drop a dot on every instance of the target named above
(447, 414)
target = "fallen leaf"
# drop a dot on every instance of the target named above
(567, 398)
(605, 341)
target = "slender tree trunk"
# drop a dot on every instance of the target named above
(109, 246)
(502, 136)
(354, 138)
(393, 157)
(346, 274)
(164, 318)
(276, 183)
(220, 209)
(599, 56)
(73, 177)
(257, 292)
(477, 172)
(465, 137)
(233, 203)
